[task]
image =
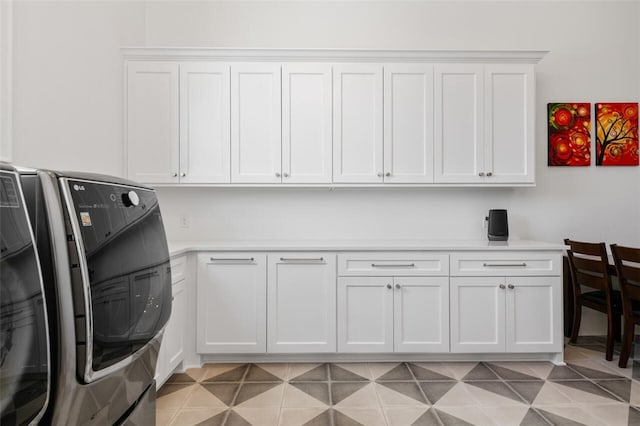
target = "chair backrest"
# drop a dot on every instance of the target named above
(588, 263)
(627, 260)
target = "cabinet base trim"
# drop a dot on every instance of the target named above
(556, 358)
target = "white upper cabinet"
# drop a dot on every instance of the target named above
(255, 123)
(408, 123)
(458, 123)
(152, 122)
(306, 123)
(509, 123)
(204, 123)
(318, 117)
(357, 123)
(484, 123)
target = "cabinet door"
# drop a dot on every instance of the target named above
(408, 123)
(301, 294)
(306, 123)
(458, 123)
(477, 314)
(421, 314)
(357, 123)
(365, 314)
(509, 123)
(204, 123)
(255, 123)
(173, 341)
(534, 314)
(232, 300)
(152, 122)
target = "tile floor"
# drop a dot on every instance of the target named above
(589, 391)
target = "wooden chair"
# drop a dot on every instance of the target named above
(627, 261)
(589, 268)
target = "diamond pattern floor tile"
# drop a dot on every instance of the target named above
(436, 390)
(400, 372)
(399, 393)
(258, 374)
(224, 392)
(480, 372)
(425, 374)
(234, 375)
(528, 389)
(533, 418)
(307, 394)
(588, 390)
(316, 374)
(339, 374)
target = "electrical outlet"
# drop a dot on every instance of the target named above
(185, 221)
(485, 221)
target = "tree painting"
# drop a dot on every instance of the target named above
(569, 134)
(617, 134)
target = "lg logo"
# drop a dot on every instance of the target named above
(78, 187)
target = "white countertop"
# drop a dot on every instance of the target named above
(181, 247)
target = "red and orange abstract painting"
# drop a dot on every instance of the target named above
(617, 134)
(569, 134)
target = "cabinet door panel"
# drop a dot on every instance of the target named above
(458, 123)
(174, 333)
(301, 303)
(255, 123)
(204, 123)
(152, 122)
(231, 303)
(306, 123)
(509, 102)
(408, 123)
(357, 123)
(477, 314)
(534, 314)
(421, 314)
(365, 314)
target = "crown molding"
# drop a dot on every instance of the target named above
(330, 55)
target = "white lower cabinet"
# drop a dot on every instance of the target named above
(301, 302)
(393, 314)
(172, 348)
(231, 302)
(520, 312)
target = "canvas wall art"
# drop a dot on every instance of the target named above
(569, 134)
(617, 134)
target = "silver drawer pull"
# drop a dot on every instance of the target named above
(302, 259)
(393, 265)
(232, 259)
(504, 265)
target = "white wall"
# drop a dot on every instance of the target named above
(592, 59)
(68, 82)
(68, 98)
(6, 87)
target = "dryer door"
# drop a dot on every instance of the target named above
(24, 337)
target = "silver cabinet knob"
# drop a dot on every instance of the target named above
(481, 174)
(286, 175)
(387, 174)
(502, 286)
(380, 174)
(489, 174)
(389, 286)
(398, 286)
(175, 175)
(277, 174)
(511, 286)
(183, 174)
